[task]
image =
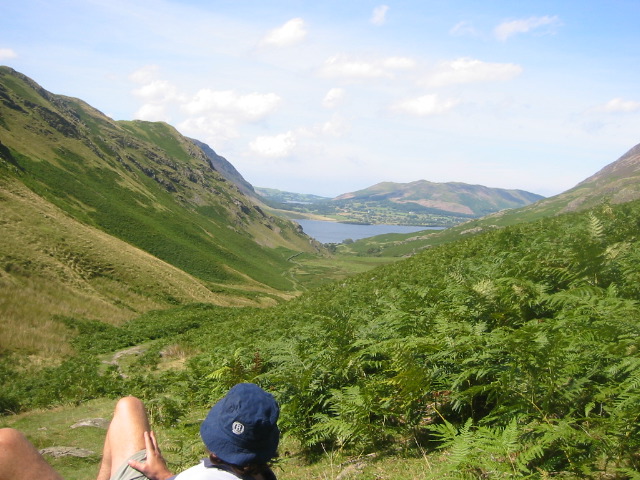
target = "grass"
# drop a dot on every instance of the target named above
(26, 326)
(52, 428)
(52, 265)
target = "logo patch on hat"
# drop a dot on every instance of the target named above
(237, 428)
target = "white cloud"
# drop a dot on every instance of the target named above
(249, 107)
(155, 94)
(333, 98)
(513, 27)
(7, 54)
(153, 113)
(345, 67)
(145, 74)
(212, 115)
(618, 105)
(290, 33)
(468, 70)
(463, 28)
(336, 127)
(341, 66)
(211, 129)
(379, 15)
(276, 146)
(425, 105)
(157, 91)
(398, 63)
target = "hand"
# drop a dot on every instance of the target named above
(155, 468)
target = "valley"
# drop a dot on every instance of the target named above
(418, 203)
(137, 261)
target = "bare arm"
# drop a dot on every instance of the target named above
(155, 468)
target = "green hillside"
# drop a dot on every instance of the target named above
(133, 178)
(513, 353)
(110, 219)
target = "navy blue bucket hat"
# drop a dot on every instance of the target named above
(241, 428)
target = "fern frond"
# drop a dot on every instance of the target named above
(596, 228)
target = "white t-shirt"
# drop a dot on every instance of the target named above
(206, 470)
(201, 472)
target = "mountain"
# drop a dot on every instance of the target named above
(106, 219)
(225, 168)
(616, 183)
(416, 203)
(454, 197)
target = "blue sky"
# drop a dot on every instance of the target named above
(334, 96)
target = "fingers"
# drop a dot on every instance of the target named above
(155, 466)
(154, 442)
(150, 442)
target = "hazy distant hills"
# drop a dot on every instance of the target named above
(453, 197)
(280, 196)
(415, 203)
(618, 182)
(105, 219)
(478, 207)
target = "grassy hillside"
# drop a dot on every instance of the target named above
(53, 265)
(107, 220)
(141, 182)
(509, 353)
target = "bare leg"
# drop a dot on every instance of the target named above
(19, 459)
(125, 435)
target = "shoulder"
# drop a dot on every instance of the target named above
(200, 472)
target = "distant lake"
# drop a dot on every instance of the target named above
(335, 232)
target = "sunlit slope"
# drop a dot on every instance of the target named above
(143, 183)
(452, 197)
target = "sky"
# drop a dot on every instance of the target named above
(333, 96)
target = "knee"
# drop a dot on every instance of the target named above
(11, 440)
(128, 404)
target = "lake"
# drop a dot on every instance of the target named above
(335, 232)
